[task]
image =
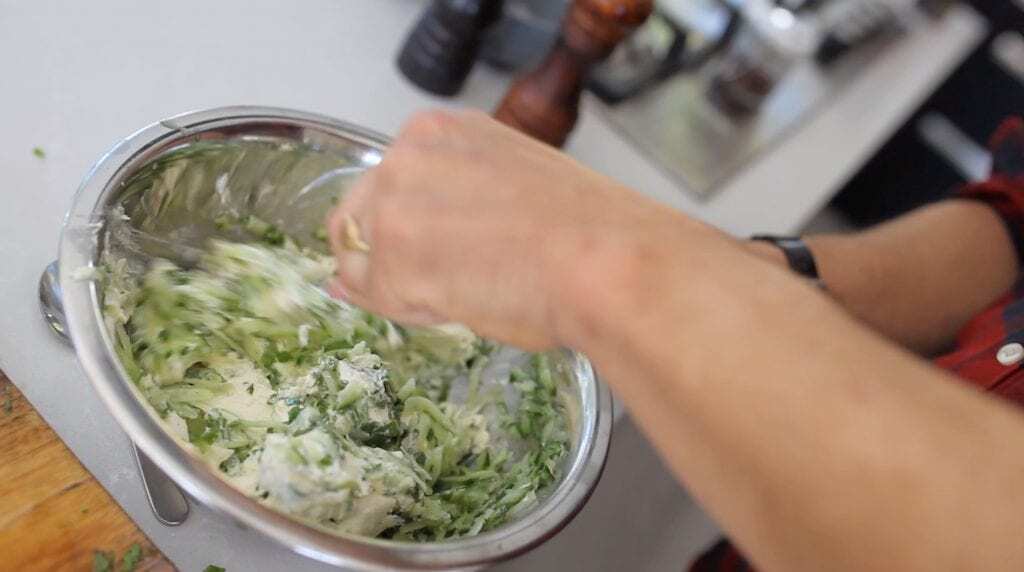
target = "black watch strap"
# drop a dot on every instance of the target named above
(798, 256)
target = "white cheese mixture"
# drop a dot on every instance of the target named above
(336, 417)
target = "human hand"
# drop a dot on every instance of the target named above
(470, 221)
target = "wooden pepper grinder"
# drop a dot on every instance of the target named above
(545, 102)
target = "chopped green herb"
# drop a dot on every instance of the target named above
(132, 557)
(102, 561)
(39, 152)
(267, 232)
(224, 222)
(213, 568)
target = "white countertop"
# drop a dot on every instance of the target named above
(79, 76)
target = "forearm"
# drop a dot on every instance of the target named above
(921, 277)
(813, 442)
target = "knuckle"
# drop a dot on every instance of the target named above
(428, 125)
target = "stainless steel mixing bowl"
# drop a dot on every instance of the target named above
(172, 178)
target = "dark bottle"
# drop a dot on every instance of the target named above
(440, 51)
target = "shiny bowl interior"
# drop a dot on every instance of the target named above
(157, 194)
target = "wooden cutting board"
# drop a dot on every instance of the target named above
(53, 514)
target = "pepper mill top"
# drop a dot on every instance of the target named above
(545, 102)
(594, 27)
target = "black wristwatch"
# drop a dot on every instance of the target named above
(798, 256)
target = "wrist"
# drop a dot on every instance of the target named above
(614, 282)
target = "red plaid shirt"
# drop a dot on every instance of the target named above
(974, 358)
